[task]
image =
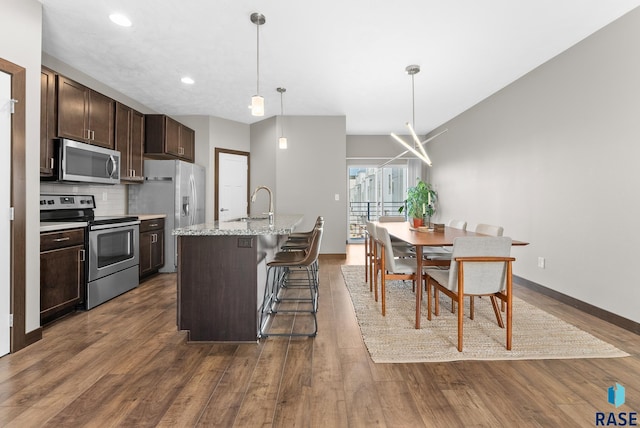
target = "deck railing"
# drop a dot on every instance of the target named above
(361, 211)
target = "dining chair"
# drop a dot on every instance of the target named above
(392, 267)
(401, 248)
(443, 253)
(488, 229)
(480, 266)
(369, 238)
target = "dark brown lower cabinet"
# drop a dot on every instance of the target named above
(151, 246)
(62, 274)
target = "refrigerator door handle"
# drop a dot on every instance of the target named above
(192, 182)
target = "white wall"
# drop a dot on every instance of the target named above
(20, 43)
(554, 159)
(307, 175)
(262, 166)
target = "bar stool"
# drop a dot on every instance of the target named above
(292, 287)
(300, 240)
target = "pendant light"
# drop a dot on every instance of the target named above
(257, 102)
(282, 141)
(412, 70)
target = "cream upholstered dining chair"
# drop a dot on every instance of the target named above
(480, 266)
(488, 229)
(443, 253)
(369, 254)
(400, 248)
(392, 267)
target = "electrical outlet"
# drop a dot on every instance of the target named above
(541, 262)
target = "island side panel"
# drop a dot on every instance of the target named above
(217, 287)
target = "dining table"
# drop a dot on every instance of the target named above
(424, 237)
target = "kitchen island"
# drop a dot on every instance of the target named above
(221, 275)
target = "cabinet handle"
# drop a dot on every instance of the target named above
(81, 255)
(61, 239)
(133, 172)
(153, 225)
(52, 160)
(180, 150)
(88, 137)
(93, 135)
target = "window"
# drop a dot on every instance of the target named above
(374, 192)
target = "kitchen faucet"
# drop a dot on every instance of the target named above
(253, 199)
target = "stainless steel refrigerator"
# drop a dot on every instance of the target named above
(174, 188)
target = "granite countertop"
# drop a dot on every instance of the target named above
(283, 224)
(50, 226)
(143, 217)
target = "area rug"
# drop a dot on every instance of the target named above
(394, 339)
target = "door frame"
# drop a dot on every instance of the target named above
(217, 176)
(19, 337)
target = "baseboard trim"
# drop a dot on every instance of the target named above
(610, 317)
(33, 336)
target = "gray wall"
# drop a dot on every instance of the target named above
(554, 159)
(308, 174)
(263, 164)
(20, 43)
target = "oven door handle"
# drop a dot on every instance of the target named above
(114, 225)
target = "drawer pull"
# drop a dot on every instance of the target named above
(81, 255)
(61, 239)
(153, 225)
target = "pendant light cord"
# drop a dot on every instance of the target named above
(281, 114)
(258, 59)
(413, 104)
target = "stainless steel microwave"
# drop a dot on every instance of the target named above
(80, 162)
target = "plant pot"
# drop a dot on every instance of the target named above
(417, 222)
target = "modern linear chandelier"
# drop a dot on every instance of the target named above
(257, 102)
(412, 70)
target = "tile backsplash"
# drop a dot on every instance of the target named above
(111, 200)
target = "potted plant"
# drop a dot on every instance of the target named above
(419, 202)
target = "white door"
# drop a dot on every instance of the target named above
(5, 203)
(232, 186)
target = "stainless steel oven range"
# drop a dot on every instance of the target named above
(112, 247)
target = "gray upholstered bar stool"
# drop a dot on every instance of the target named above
(292, 287)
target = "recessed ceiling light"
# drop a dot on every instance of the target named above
(188, 80)
(120, 19)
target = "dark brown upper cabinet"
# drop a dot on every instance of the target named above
(129, 141)
(84, 114)
(47, 121)
(166, 138)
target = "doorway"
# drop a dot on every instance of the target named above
(6, 106)
(232, 184)
(14, 183)
(374, 192)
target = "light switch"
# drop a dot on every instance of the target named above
(337, 196)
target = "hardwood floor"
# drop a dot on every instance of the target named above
(124, 364)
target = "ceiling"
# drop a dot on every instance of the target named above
(339, 57)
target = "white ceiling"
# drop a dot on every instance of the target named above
(335, 57)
